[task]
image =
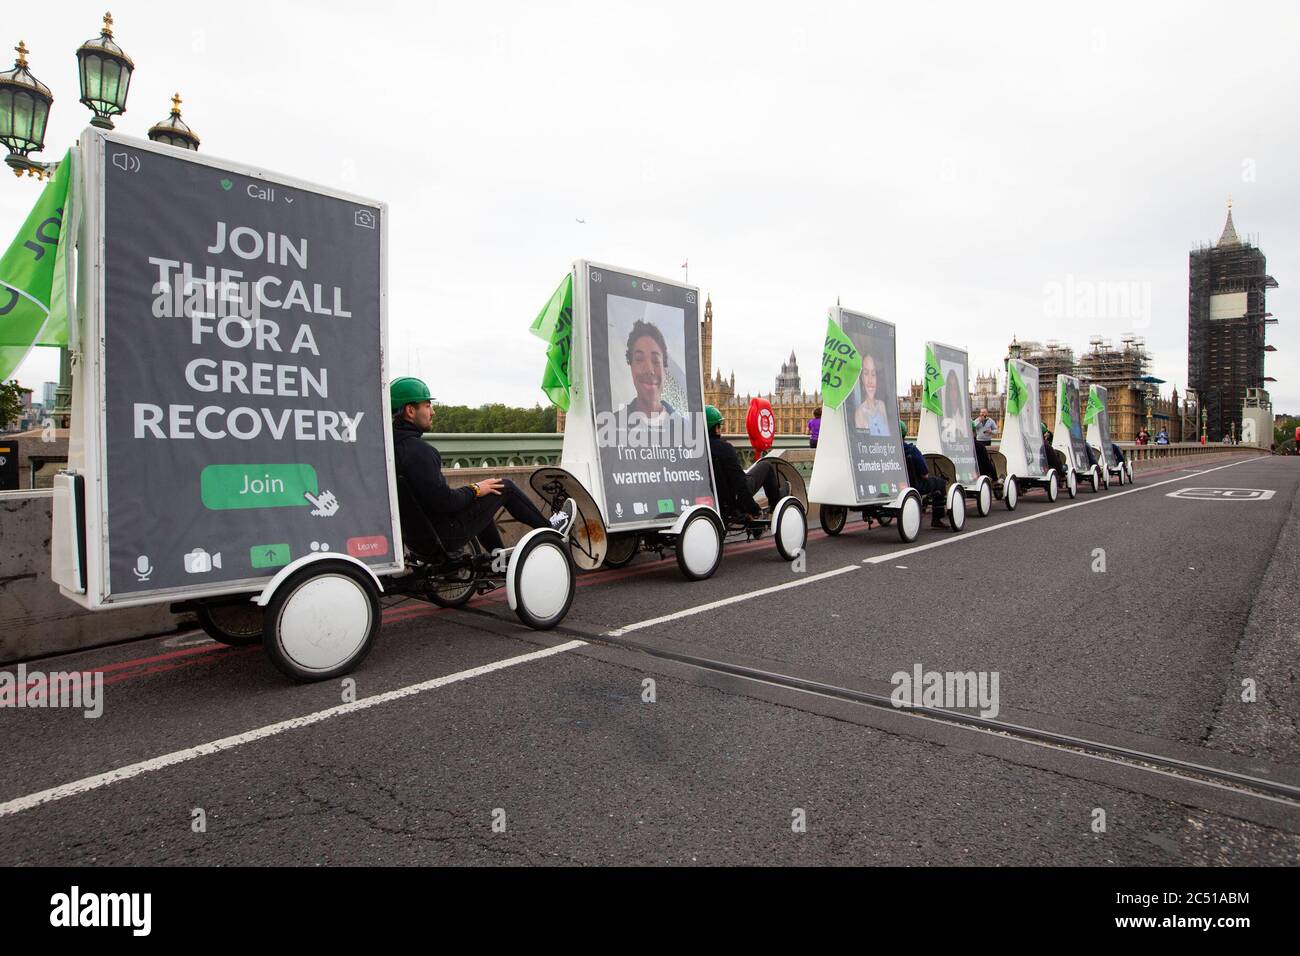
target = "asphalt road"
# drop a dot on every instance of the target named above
(510, 746)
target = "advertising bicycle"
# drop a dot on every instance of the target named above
(624, 364)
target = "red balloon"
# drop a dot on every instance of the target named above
(761, 425)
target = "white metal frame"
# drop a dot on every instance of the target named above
(87, 451)
(832, 480)
(580, 456)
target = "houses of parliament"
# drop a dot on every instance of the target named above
(791, 405)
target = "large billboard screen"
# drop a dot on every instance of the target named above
(242, 374)
(648, 400)
(1028, 422)
(956, 439)
(1068, 397)
(1102, 421)
(871, 411)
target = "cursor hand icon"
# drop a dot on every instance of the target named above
(325, 506)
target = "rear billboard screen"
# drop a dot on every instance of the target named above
(243, 375)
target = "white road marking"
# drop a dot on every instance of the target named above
(238, 740)
(1061, 509)
(229, 743)
(735, 599)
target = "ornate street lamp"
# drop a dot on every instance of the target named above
(105, 75)
(24, 111)
(174, 131)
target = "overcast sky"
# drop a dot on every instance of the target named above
(967, 171)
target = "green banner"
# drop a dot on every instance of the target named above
(1065, 406)
(1017, 394)
(841, 365)
(933, 385)
(1094, 407)
(554, 324)
(33, 306)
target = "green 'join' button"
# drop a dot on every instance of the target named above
(227, 487)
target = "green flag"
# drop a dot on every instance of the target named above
(1017, 394)
(841, 364)
(1094, 407)
(933, 385)
(554, 324)
(33, 306)
(1065, 406)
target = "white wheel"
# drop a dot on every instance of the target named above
(1128, 467)
(699, 547)
(791, 531)
(322, 621)
(984, 498)
(1010, 493)
(957, 510)
(909, 518)
(1105, 478)
(1094, 479)
(542, 581)
(1119, 475)
(1053, 487)
(1072, 483)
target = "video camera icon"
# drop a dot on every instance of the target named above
(199, 561)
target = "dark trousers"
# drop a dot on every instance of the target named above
(479, 519)
(932, 488)
(1054, 458)
(985, 462)
(761, 474)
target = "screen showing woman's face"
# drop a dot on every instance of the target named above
(868, 380)
(648, 371)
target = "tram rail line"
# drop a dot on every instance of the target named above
(1191, 771)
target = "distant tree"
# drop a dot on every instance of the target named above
(1284, 432)
(11, 403)
(493, 418)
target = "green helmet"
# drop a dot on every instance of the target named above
(405, 390)
(712, 416)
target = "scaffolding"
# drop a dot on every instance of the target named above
(1115, 368)
(1225, 352)
(1051, 359)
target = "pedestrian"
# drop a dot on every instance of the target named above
(814, 427)
(1162, 437)
(1143, 437)
(985, 428)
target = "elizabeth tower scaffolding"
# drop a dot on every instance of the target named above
(1226, 316)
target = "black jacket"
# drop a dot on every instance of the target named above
(420, 464)
(734, 496)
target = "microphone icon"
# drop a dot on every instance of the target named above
(143, 569)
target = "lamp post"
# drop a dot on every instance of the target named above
(24, 112)
(174, 131)
(104, 75)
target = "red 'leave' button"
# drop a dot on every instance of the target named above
(374, 546)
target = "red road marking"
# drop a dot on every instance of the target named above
(404, 613)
